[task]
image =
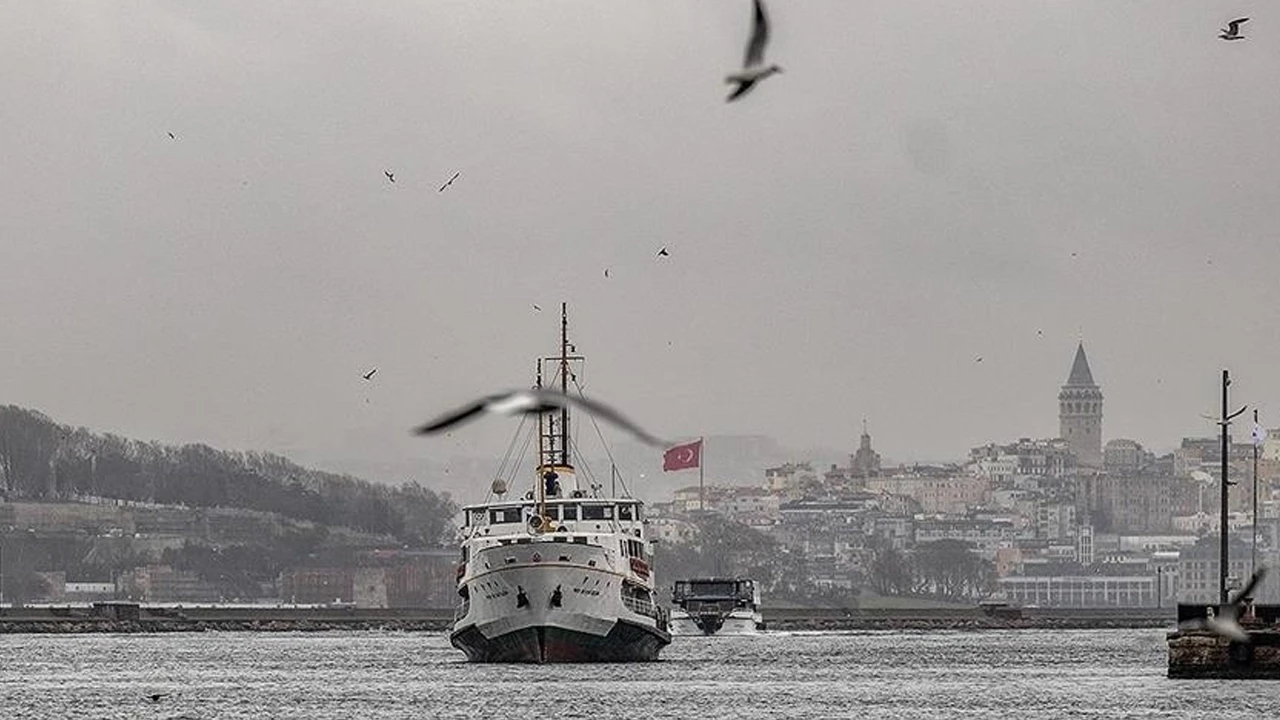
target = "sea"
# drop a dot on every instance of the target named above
(1033, 674)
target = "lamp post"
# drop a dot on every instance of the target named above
(1224, 422)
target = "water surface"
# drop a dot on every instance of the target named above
(1040, 674)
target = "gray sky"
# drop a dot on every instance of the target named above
(929, 181)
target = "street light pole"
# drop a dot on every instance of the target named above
(1225, 422)
(1222, 530)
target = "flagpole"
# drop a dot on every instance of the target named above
(1253, 549)
(702, 452)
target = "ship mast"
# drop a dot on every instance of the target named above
(564, 384)
(555, 460)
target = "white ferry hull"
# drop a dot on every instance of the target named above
(586, 621)
(737, 623)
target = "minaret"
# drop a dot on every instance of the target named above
(1080, 412)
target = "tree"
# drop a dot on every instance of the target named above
(891, 571)
(41, 459)
(949, 569)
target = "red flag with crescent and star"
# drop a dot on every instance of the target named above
(683, 457)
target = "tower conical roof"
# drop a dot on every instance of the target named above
(1080, 374)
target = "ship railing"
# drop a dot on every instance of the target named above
(640, 606)
(695, 607)
(461, 610)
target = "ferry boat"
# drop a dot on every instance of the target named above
(716, 606)
(561, 572)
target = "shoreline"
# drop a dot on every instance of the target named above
(132, 618)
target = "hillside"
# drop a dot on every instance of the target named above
(42, 460)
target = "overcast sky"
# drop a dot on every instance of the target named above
(928, 182)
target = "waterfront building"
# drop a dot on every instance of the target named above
(1081, 591)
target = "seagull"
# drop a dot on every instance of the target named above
(535, 307)
(455, 177)
(753, 68)
(663, 252)
(1232, 30)
(606, 272)
(532, 402)
(171, 137)
(390, 175)
(369, 375)
(1224, 621)
(978, 359)
(157, 697)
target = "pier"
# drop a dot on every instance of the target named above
(1204, 654)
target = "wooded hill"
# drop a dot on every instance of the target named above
(42, 460)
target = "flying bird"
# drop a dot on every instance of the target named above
(390, 175)
(171, 137)
(455, 177)
(157, 697)
(1232, 30)
(1225, 619)
(978, 359)
(535, 307)
(606, 272)
(663, 252)
(753, 68)
(369, 375)
(533, 402)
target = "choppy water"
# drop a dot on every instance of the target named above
(994, 674)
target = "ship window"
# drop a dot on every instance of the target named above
(568, 512)
(597, 512)
(580, 539)
(504, 515)
(477, 517)
(625, 512)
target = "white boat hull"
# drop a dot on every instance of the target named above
(735, 623)
(553, 609)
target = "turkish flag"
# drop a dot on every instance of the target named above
(683, 457)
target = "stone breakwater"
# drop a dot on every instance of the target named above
(1201, 654)
(975, 618)
(128, 618)
(152, 626)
